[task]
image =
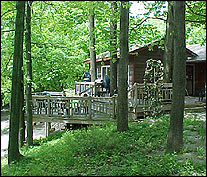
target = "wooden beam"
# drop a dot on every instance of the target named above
(134, 68)
(72, 121)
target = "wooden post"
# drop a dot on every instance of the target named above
(135, 94)
(89, 107)
(49, 107)
(135, 97)
(47, 128)
(68, 108)
(95, 89)
(75, 88)
(84, 86)
(114, 107)
(48, 124)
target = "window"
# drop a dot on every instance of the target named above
(105, 70)
(98, 76)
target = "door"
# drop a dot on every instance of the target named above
(105, 70)
(189, 80)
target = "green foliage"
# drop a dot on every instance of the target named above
(196, 13)
(195, 17)
(102, 151)
(155, 8)
(195, 35)
(60, 37)
(57, 54)
(8, 12)
(153, 84)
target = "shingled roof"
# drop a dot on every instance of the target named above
(132, 48)
(199, 50)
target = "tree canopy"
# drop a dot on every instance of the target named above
(59, 43)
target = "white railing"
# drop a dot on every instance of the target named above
(90, 88)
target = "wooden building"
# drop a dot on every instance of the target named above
(138, 55)
(196, 69)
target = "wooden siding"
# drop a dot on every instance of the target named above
(200, 77)
(140, 64)
(137, 65)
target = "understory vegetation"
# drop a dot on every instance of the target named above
(102, 151)
(60, 38)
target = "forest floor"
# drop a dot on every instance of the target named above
(101, 151)
(194, 139)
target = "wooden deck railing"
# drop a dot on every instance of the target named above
(84, 87)
(90, 88)
(91, 107)
(136, 94)
(74, 107)
(138, 102)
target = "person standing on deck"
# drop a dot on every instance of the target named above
(106, 83)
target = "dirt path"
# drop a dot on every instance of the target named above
(39, 131)
(195, 140)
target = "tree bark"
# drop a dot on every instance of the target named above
(13, 148)
(29, 76)
(113, 47)
(175, 134)
(92, 44)
(122, 122)
(21, 116)
(169, 38)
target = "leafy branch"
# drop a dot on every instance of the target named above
(10, 10)
(194, 11)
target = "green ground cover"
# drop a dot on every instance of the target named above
(102, 151)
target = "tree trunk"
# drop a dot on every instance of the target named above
(29, 76)
(92, 44)
(21, 117)
(113, 47)
(175, 135)
(122, 122)
(13, 148)
(168, 52)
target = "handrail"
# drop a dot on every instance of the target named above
(74, 107)
(84, 87)
(136, 93)
(86, 90)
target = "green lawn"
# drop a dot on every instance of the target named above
(102, 151)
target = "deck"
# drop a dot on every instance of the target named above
(92, 109)
(74, 110)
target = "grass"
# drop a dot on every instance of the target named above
(102, 151)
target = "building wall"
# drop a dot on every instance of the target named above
(190, 79)
(200, 77)
(140, 62)
(137, 65)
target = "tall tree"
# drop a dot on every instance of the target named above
(122, 122)
(92, 43)
(168, 45)
(21, 116)
(175, 134)
(113, 48)
(29, 75)
(13, 149)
